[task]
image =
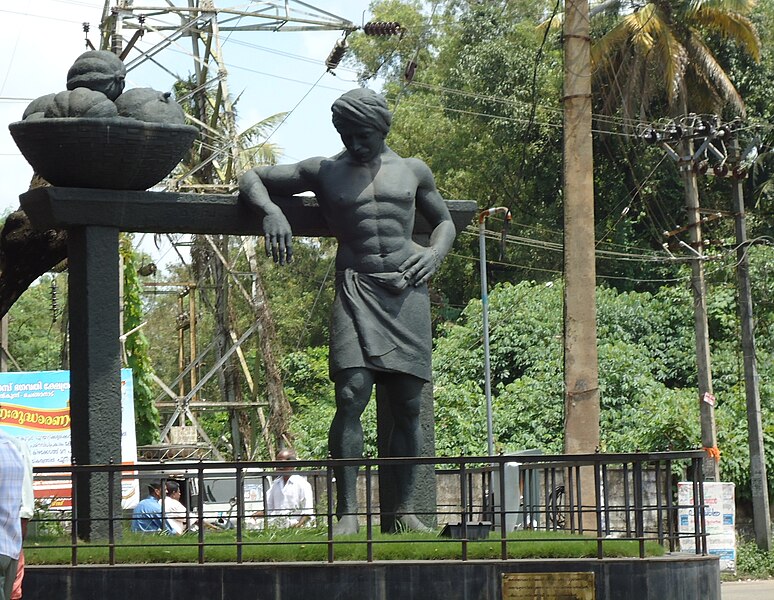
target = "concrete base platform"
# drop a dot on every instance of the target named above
(675, 577)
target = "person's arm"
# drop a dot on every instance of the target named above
(306, 504)
(423, 264)
(255, 187)
(28, 497)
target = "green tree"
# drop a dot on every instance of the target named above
(35, 324)
(660, 49)
(647, 379)
(136, 349)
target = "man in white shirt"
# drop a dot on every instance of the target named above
(174, 510)
(11, 481)
(27, 510)
(289, 501)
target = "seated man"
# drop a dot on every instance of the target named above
(289, 501)
(146, 516)
(174, 511)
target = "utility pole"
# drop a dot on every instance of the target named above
(758, 481)
(683, 133)
(687, 165)
(581, 376)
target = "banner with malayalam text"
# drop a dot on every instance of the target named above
(35, 406)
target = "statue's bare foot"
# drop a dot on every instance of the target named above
(347, 525)
(410, 522)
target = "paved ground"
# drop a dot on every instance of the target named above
(747, 590)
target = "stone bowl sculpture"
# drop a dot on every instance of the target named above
(117, 153)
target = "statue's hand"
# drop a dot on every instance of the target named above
(278, 237)
(420, 266)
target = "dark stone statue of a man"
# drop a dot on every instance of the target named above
(380, 327)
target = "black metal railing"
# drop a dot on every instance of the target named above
(596, 496)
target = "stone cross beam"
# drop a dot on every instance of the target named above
(93, 219)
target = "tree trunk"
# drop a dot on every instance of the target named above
(26, 254)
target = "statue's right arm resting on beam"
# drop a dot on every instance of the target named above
(256, 187)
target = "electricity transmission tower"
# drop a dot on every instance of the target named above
(217, 162)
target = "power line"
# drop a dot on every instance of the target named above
(25, 14)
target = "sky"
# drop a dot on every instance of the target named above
(271, 72)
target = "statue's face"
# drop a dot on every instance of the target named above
(363, 143)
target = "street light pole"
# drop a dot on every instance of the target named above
(485, 312)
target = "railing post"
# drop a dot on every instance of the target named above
(606, 498)
(568, 487)
(111, 515)
(579, 496)
(659, 504)
(702, 513)
(698, 507)
(200, 507)
(369, 515)
(240, 506)
(163, 483)
(329, 493)
(627, 500)
(503, 531)
(74, 517)
(638, 507)
(671, 511)
(598, 510)
(463, 512)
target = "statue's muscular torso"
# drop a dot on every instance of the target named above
(370, 209)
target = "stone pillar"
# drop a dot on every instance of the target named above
(95, 378)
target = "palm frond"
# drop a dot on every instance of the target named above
(606, 47)
(704, 61)
(262, 128)
(731, 26)
(670, 57)
(646, 25)
(738, 6)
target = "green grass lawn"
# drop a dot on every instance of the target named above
(312, 545)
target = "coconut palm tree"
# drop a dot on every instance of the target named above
(660, 50)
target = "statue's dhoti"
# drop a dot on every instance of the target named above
(378, 324)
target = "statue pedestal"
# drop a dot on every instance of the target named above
(93, 219)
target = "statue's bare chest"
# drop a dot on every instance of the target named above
(367, 192)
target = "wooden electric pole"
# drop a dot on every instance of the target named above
(581, 377)
(758, 482)
(701, 329)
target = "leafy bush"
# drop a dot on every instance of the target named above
(754, 563)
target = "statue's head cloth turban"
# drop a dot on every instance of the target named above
(362, 107)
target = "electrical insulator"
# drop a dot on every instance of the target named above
(720, 170)
(147, 269)
(408, 74)
(702, 167)
(651, 136)
(334, 58)
(382, 28)
(54, 301)
(675, 133)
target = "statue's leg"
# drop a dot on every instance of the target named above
(405, 394)
(345, 440)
